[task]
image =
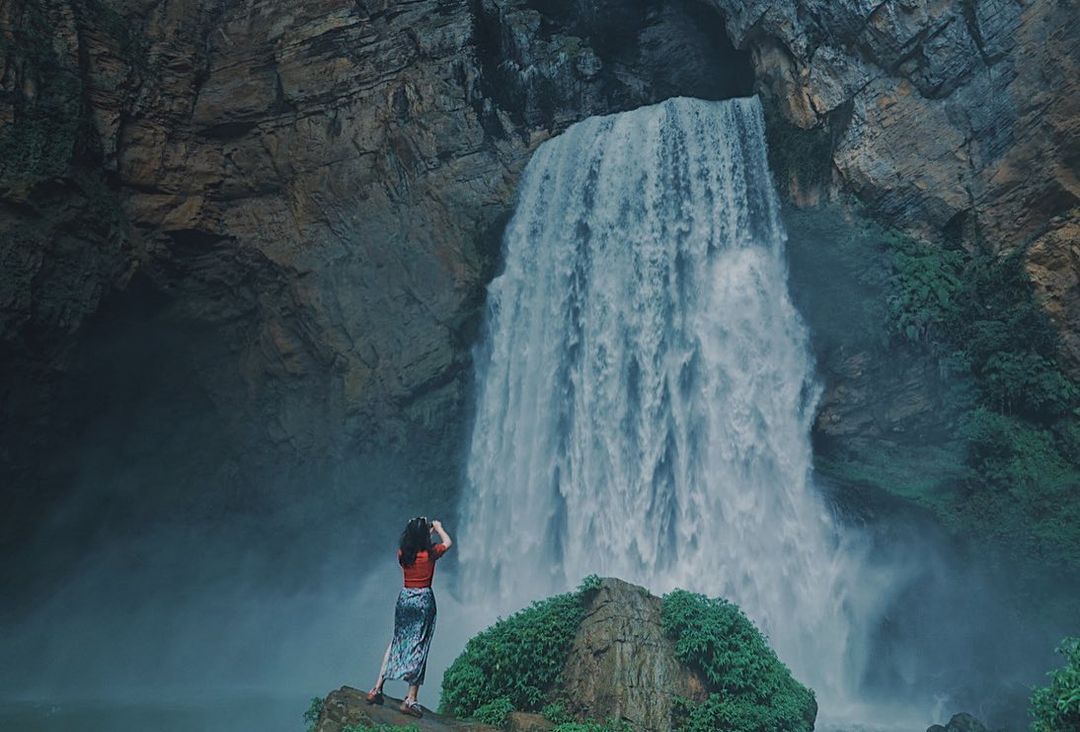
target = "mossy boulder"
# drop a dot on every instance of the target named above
(612, 655)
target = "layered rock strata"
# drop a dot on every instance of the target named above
(957, 121)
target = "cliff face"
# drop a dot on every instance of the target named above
(304, 201)
(956, 121)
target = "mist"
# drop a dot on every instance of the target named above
(173, 564)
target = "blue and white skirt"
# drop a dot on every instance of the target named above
(414, 626)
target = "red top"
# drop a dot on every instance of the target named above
(423, 569)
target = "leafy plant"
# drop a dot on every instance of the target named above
(750, 689)
(496, 712)
(999, 460)
(314, 711)
(556, 713)
(925, 289)
(1056, 708)
(976, 312)
(592, 582)
(611, 725)
(517, 659)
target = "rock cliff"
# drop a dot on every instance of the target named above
(312, 194)
(955, 119)
(958, 121)
(303, 202)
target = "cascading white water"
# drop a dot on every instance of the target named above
(646, 391)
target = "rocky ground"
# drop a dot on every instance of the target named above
(621, 666)
(348, 706)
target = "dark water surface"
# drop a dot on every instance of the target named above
(236, 714)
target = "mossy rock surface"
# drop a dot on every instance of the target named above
(612, 656)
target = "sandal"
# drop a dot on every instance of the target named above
(411, 708)
(375, 696)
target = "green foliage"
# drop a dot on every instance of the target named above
(611, 725)
(556, 713)
(1000, 459)
(978, 315)
(1056, 708)
(750, 689)
(494, 712)
(590, 583)
(40, 140)
(314, 710)
(380, 728)
(50, 125)
(518, 658)
(926, 288)
(928, 476)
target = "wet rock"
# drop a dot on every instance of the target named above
(949, 103)
(348, 706)
(1053, 263)
(959, 723)
(321, 186)
(621, 664)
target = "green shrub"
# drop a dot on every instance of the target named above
(750, 689)
(518, 658)
(556, 713)
(977, 314)
(314, 711)
(1056, 708)
(611, 725)
(1008, 463)
(495, 712)
(925, 289)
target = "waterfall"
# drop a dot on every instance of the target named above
(645, 390)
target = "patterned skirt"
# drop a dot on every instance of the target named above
(414, 625)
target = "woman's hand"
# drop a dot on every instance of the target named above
(436, 526)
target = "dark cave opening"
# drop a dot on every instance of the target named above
(620, 57)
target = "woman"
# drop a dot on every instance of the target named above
(414, 616)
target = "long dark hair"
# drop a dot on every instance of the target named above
(414, 539)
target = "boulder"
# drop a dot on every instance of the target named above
(960, 723)
(348, 706)
(622, 665)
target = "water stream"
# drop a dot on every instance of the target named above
(646, 392)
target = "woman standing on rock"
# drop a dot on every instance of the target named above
(414, 616)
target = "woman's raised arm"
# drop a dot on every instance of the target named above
(443, 536)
